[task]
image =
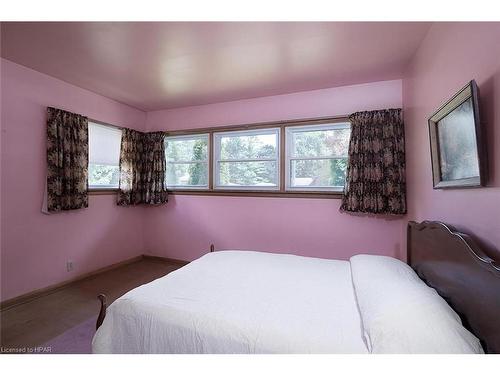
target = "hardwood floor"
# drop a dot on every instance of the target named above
(35, 322)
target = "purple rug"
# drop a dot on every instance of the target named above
(76, 340)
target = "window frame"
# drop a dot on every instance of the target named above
(277, 193)
(289, 158)
(102, 189)
(216, 136)
(207, 161)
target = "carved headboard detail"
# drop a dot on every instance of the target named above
(453, 264)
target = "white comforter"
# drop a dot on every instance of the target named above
(239, 302)
(251, 302)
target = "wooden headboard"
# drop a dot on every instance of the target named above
(454, 265)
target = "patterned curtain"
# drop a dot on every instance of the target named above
(67, 160)
(130, 185)
(155, 188)
(142, 168)
(375, 180)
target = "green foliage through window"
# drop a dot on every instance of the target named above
(103, 175)
(187, 161)
(248, 160)
(318, 156)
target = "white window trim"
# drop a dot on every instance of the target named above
(217, 160)
(104, 187)
(290, 130)
(190, 137)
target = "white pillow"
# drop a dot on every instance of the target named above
(401, 314)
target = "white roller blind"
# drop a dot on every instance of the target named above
(104, 144)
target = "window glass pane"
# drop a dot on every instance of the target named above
(256, 174)
(187, 161)
(318, 173)
(186, 149)
(258, 146)
(318, 143)
(103, 175)
(187, 174)
(104, 155)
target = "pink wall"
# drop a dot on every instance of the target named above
(186, 226)
(450, 56)
(337, 101)
(35, 247)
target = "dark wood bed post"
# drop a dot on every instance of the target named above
(102, 312)
(212, 248)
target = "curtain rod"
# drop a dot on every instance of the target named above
(88, 118)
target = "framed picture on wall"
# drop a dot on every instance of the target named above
(457, 150)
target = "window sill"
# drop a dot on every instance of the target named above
(239, 193)
(260, 193)
(102, 191)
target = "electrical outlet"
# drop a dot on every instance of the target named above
(69, 266)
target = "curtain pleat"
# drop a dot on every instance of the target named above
(67, 160)
(375, 181)
(155, 188)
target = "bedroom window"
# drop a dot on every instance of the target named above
(316, 157)
(104, 156)
(300, 158)
(187, 161)
(247, 160)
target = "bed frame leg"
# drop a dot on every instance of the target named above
(102, 312)
(212, 248)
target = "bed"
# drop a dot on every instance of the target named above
(447, 300)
